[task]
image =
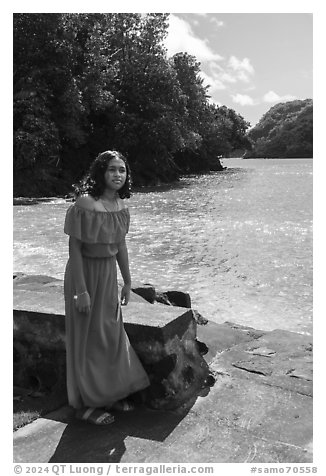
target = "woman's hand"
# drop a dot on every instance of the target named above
(83, 302)
(125, 294)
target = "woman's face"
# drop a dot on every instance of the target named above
(116, 174)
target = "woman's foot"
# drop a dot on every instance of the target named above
(123, 406)
(95, 416)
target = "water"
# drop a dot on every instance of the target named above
(239, 241)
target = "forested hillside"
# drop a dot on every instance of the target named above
(84, 83)
(286, 130)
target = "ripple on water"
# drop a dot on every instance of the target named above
(239, 241)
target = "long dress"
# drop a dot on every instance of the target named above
(102, 366)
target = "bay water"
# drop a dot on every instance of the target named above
(239, 241)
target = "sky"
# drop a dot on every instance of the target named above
(251, 61)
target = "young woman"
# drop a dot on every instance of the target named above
(102, 367)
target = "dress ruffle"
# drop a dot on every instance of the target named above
(92, 226)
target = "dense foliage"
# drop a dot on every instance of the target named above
(85, 83)
(286, 130)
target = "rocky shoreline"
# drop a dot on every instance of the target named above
(67, 193)
(221, 393)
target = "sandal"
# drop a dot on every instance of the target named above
(96, 416)
(123, 406)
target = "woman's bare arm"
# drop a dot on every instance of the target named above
(83, 299)
(77, 264)
(123, 262)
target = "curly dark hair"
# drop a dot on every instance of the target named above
(93, 182)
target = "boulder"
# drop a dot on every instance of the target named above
(146, 291)
(164, 338)
(170, 298)
(162, 299)
(202, 321)
(179, 298)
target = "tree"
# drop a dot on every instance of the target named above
(87, 82)
(146, 124)
(35, 133)
(286, 130)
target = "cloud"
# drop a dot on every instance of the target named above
(243, 99)
(214, 102)
(271, 97)
(181, 38)
(212, 20)
(220, 73)
(231, 72)
(217, 72)
(214, 83)
(242, 69)
(216, 22)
